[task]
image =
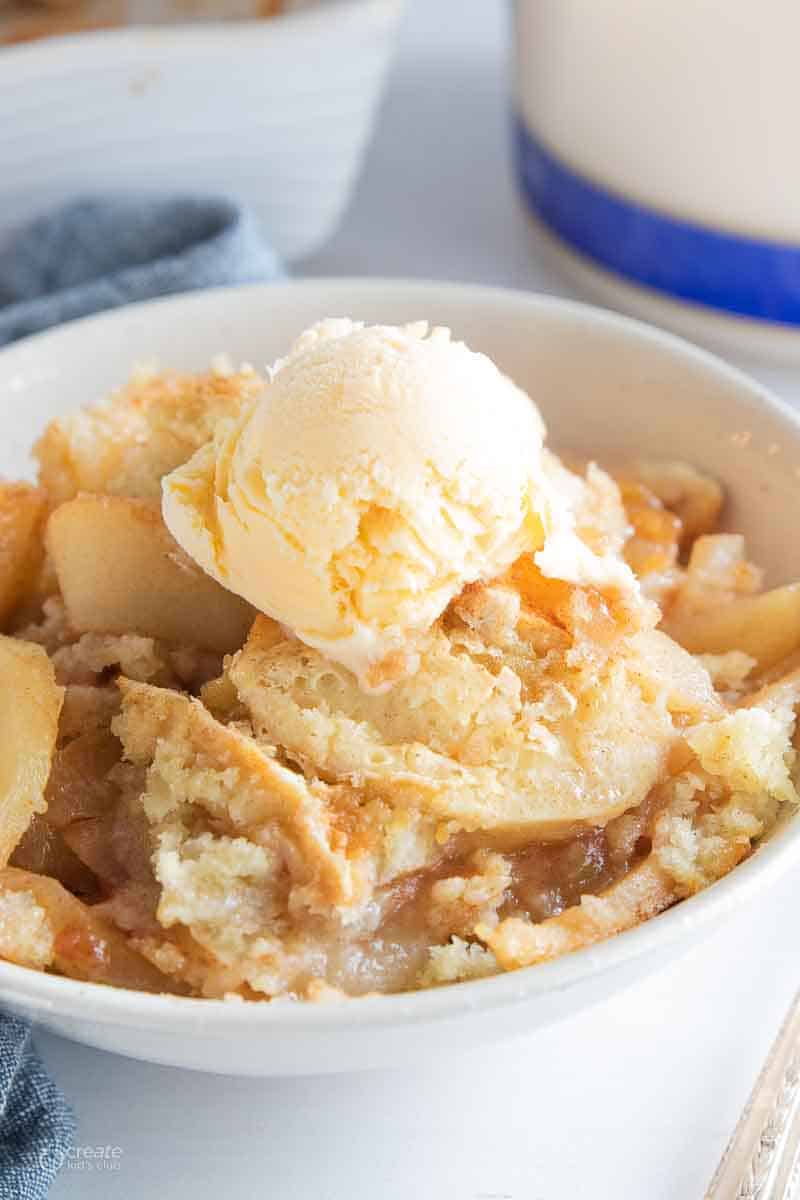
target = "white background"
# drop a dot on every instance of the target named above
(631, 1101)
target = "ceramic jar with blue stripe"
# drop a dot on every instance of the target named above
(659, 144)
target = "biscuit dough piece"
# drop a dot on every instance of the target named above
(260, 868)
(490, 733)
(124, 446)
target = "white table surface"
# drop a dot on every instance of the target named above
(630, 1101)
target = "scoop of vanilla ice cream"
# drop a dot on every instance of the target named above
(381, 470)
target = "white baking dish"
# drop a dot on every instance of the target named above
(275, 112)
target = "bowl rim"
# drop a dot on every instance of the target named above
(57, 995)
(190, 37)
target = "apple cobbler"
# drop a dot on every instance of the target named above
(194, 800)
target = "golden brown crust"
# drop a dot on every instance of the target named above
(125, 446)
(483, 736)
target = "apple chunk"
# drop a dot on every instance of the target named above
(120, 571)
(30, 703)
(766, 626)
(22, 510)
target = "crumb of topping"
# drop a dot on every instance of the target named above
(750, 751)
(85, 660)
(320, 992)
(457, 961)
(25, 933)
(459, 903)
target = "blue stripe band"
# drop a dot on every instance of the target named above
(737, 274)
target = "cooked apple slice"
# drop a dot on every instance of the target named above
(120, 571)
(79, 787)
(695, 498)
(765, 626)
(30, 703)
(44, 851)
(22, 511)
(87, 709)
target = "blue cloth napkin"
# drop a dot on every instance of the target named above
(104, 251)
(99, 252)
(36, 1124)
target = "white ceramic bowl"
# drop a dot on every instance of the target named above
(275, 112)
(605, 384)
